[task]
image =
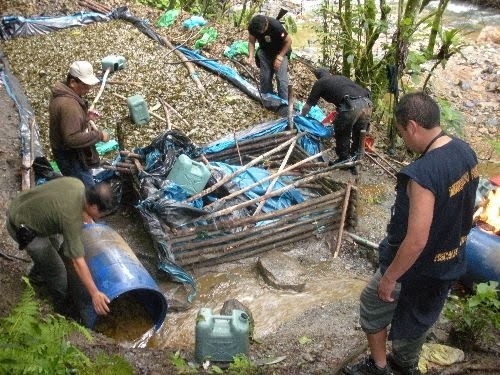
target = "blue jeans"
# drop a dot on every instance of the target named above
(267, 72)
(70, 165)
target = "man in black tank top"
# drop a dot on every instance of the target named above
(423, 252)
(354, 109)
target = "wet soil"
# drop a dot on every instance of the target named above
(318, 340)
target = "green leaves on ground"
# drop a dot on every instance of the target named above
(34, 344)
(474, 317)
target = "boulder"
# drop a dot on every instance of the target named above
(489, 34)
(281, 271)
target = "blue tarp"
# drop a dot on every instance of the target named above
(309, 142)
(252, 175)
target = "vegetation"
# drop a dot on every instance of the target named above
(241, 365)
(474, 318)
(34, 344)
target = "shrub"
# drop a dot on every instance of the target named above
(473, 318)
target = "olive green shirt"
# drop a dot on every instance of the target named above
(55, 207)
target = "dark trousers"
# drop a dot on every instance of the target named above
(353, 115)
(70, 165)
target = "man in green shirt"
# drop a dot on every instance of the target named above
(39, 219)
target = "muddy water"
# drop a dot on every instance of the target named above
(270, 307)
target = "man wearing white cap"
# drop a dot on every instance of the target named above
(72, 139)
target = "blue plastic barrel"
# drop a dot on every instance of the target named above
(116, 272)
(482, 252)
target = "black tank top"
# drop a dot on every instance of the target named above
(450, 173)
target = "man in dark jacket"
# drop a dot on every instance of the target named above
(423, 253)
(72, 136)
(273, 53)
(47, 222)
(354, 110)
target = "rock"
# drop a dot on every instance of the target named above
(492, 122)
(483, 130)
(464, 85)
(469, 104)
(489, 34)
(282, 271)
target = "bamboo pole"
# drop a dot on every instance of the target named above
(342, 219)
(274, 175)
(241, 170)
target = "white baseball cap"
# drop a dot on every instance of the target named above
(84, 72)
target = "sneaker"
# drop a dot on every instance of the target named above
(400, 369)
(366, 367)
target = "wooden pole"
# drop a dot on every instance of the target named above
(381, 166)
(242, 169)
(273, 182)
(342, 219)
(290, 106)
(362, 241)
(266, 196)
(167, 114)
(310, 204)
(274, 175)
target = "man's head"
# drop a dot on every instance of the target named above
(417, 107)
(417, 118)
(81, 77)
(257, 25)
(98, 200)
(321, 72)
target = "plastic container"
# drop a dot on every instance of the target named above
(221, 337)
(482, 252)
(117, 271)
(190, 174)
(138, 109)
(113, 62)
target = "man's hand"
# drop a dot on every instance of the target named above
(277, 62)
(100, 302)
(250, 61)
(104, 137)
(386, 288)
(92, 115)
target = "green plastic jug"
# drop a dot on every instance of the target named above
(113, 63)
(220, 337)
(191, 175)
(138, 109)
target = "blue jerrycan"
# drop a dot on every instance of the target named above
(220, 337)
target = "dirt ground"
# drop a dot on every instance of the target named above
(332, 328)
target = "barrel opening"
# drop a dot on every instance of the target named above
(132, 314)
